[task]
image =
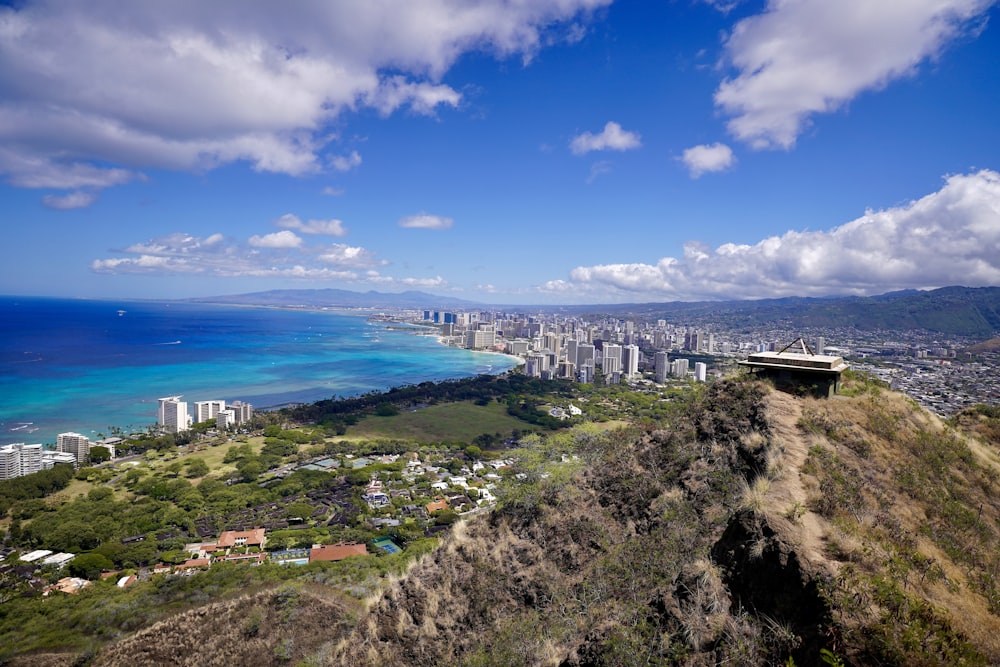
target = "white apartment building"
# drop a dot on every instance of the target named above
(225, 419)
(630, 361)
(611, 361)
(243, 412)
(50, 459)
(700, 371)
(205, 410)
(173, 414)
(20, 459)
(479, 338)
(75, 444)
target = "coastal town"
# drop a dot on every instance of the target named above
(935, 370)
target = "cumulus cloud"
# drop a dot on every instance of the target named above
(425, 221)
(803, 57)
(91, 95)
(332, 227)
(948, 237)
(278, 255)
(282, 239)
(707, 158)
(612, 137)
(346, 162)
(70, 200)
(331, 191)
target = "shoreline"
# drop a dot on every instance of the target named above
(137, 414)
(445, 341)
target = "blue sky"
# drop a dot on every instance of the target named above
(506, 151)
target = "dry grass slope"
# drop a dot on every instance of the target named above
(275, 627)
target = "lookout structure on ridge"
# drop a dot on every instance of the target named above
(798, 369)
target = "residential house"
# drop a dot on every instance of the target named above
(242, 538)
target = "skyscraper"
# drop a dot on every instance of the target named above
(662, 367)
(205, 410)
(243, 412)
(630, 361)
(611, 361)
(173, 414)
(75, 444)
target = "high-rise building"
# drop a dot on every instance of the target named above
(479, 338)
(75, 444)
(225, 419)
(662, 366)
(19, 459)
(205, 410)
(630, 361)
(243, 412)
(679, 367)
(173, 414)
(584, 355)
(611, 359)
(700, 371)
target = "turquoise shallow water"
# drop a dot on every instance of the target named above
(74, 365)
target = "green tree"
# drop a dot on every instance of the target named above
(89, 566)
(196, 468)
(386, 410)
(250, 469)
(298, 511)
(99, 454)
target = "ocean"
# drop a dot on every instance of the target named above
(88, 366)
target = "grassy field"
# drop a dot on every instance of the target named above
(213, 455)
(451, 422)
(75, 488)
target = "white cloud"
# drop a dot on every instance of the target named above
(802, 57)
(70, 200)
(613, 137)
(93, 94)
(949, 237)
(425, 221)
(331, 191)
(332, 227)
(346, 162)
(277, 255)
(282, 239)
(707, 158)
(342, 254)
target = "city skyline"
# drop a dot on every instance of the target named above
(579, 151)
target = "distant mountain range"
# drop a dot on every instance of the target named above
(338, 298)
(965, 311)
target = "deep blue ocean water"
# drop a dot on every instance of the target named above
(80, 365)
